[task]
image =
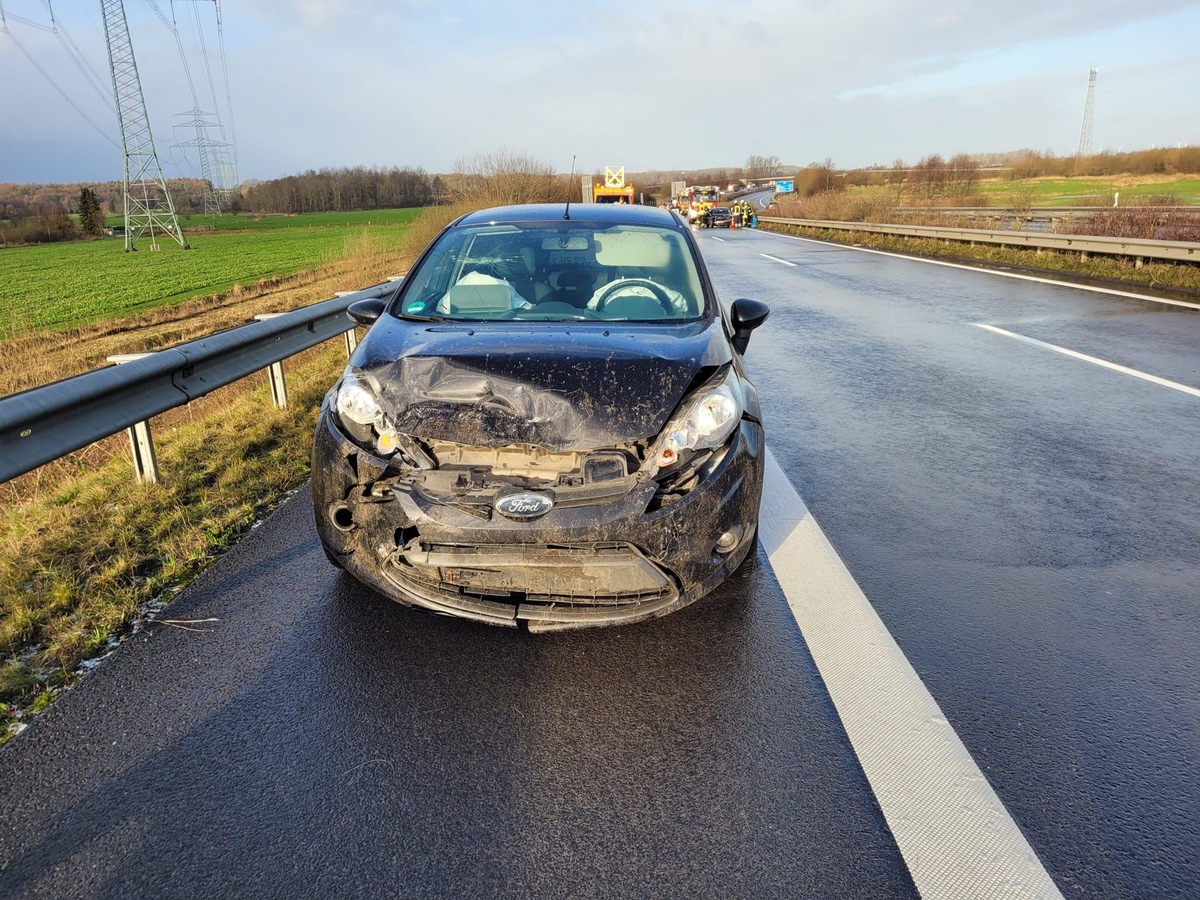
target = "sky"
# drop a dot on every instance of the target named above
(650, 85)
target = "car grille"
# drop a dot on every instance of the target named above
(551, 583)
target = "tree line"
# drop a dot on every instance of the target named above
(33, 213)
(342, 190)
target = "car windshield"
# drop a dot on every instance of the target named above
(556, 272)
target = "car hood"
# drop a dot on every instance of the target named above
(557, 386)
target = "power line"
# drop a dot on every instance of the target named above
(33, 62)
(222, 186)
(24, 21)
(212, 91)
(214, 193)
(223, 155)
(170, 23)
(76, 56)
(228, 98)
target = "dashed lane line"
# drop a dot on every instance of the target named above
(940, 262)
(715, 238)
(778, 260)
(1074, 354)
(955, 835)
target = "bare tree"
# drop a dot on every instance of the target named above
(761, 166)
(927, 179)
(505, 177)
(964, 175)
(934, 177)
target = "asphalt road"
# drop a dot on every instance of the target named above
(1023, 521)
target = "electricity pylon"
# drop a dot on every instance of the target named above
(215, 190)
(1085, 132)
(148, 203)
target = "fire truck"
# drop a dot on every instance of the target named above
(614, 189)
(700, 200)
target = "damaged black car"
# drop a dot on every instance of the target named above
(547, 424)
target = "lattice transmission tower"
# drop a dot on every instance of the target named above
(148, 204)
(211, 154)
(1085, 132)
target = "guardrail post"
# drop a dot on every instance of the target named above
(141, 445)
(352, 335)
(278, 385)
(275, 372)
(145, 463)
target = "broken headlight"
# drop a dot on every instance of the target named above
(362, 417)
(356, 401)
(706, 419)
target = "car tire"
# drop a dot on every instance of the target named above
(751, 558)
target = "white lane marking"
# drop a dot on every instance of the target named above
(1094, 360)
(956, 837)
(1018, 275)
(715, 238)
(778, 260)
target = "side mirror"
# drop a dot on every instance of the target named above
(747, 315)
(366, 312)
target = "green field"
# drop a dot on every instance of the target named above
(1071, 191)
(57, 286)
(245, 221)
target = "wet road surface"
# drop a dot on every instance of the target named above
(1023, 522)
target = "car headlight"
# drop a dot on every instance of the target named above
(356, 401)
(707, 419)
(364, 421)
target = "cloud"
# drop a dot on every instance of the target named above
(649, 84)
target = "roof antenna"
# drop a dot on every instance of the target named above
(567, 213)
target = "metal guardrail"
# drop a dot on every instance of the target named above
(48, 422)
(1045, 211)
(1175, 251)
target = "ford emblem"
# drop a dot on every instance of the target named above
(524, 506)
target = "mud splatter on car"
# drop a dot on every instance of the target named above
(548, 423)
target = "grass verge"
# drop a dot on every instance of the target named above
(1182, 280)
(80, 560)
(84, 550)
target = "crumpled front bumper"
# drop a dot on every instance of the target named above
(604, 562)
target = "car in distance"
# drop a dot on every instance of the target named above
(720, 217)
(547, 424)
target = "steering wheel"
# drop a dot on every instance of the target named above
(616, 288)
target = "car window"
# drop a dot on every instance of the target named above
(550, 272)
